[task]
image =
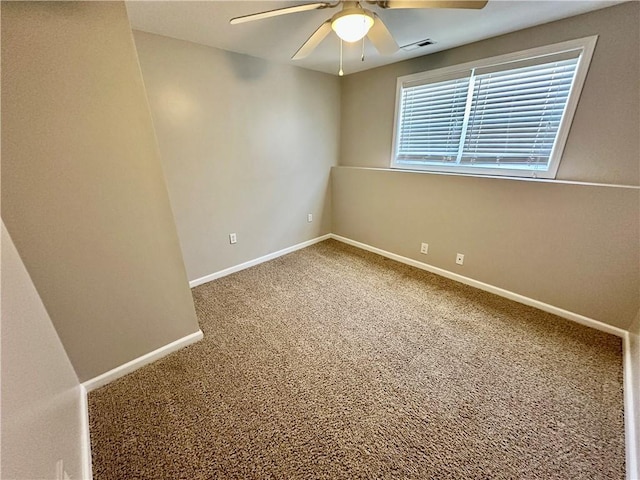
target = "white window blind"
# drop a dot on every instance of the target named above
(432, 117)
(504, 118)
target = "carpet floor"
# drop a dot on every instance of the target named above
(335, 363)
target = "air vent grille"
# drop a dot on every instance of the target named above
(419, 44)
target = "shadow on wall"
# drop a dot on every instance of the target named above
(246, 70)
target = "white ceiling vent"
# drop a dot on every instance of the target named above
(418, 44)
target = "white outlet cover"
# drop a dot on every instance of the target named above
(424, 248)
(460, 259)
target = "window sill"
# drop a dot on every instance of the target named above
(493, 177)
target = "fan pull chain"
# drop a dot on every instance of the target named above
(362, 57)
(340, 72)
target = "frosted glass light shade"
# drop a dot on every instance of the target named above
(352, 26)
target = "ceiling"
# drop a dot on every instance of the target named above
(278, 38)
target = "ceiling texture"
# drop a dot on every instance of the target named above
(278, 38)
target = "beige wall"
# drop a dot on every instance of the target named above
(40, 391)
(559, 244)
(247, 147)
(83, 192)
(572, 246)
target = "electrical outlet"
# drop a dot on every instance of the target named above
(424, 248)
(459, 258)
(232, 238)
(310, 217)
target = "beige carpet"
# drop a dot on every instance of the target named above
(334, 363)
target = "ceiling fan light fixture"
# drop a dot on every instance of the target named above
(352, 24)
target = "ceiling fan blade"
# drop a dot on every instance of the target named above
(313, 41)
(382, 38)
(280, 11)
(475, 4)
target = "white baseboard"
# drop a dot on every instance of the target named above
(631, 439)
(135, 364)
(631, 409)
(632, 444)
(589, 322)
(256, 261)
(87, 471)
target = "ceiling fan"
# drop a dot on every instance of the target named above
(353, 22)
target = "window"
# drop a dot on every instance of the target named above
(507, 115)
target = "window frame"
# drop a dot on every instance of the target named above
(585, 48)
